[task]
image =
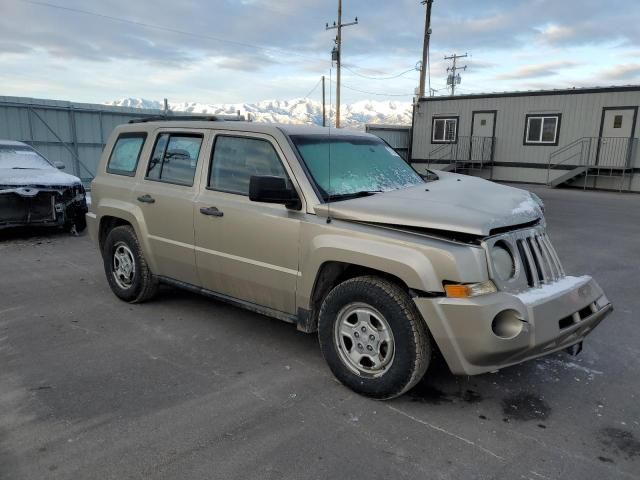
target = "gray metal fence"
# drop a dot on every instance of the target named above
(73, 133)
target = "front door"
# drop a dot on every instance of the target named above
(246, 250)
(483, 129)
(615, 137)
(166, 195)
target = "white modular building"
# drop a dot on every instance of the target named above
(586, 137)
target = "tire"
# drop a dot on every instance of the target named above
(403, 354)
(126, 268)
(79, 222)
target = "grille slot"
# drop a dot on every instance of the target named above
(539, 259)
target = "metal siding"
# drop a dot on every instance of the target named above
(49, 127)
(581, 116)
(397, 138)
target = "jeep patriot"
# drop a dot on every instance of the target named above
(333, 231)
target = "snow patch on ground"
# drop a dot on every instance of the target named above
(556, 366)
(552, 289)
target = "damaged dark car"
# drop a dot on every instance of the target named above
(34, 192)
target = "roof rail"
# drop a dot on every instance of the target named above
(191, 118)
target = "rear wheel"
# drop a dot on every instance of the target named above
(373, 337)
(126, 268)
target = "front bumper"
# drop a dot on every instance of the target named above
(552, 318)
(41, 206)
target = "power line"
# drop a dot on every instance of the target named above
(376, 93)
(313, 89)
(412, 69)
(171, 29)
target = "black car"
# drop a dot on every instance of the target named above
(33, 191)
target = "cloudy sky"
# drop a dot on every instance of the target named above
(227, 51)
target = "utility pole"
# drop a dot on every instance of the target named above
(453, 79)
(324, 111)
(425, 48)
(336, 54)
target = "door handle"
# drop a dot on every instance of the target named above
(211, 211)
(146, 199)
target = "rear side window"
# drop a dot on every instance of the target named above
(175, 158)
(236, 159)
(126, 153)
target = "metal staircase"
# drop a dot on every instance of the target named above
(465, 155)
(593, 157)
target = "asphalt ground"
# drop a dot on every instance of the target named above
(186, 387)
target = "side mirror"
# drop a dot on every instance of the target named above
(59, 165)
(269, 189)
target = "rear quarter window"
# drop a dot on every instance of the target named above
(126, 154)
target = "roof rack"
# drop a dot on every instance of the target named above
(191, 118)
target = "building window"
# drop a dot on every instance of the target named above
(542, 129)
(444, 130)
(617, 121)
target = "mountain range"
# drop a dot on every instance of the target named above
(296, 111)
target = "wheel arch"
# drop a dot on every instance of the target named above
(331, 273)
(118, 213)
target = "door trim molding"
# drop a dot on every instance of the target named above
(250, 261)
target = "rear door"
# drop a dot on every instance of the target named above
(166, 195)
(246, 250)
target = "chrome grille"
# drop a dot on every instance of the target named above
(535, 259)
(539, 259)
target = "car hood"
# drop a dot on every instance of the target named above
(36, 178)
(457, 203)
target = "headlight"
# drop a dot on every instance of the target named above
(538, 200)
(503, 262)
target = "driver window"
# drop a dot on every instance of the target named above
(236, 159)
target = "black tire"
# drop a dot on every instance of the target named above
(80, 223)
(143, 284)
(412, 344)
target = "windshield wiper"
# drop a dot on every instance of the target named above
(347, 196)
(24, 168)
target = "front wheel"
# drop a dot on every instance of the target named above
(373, 337)
(126, 268)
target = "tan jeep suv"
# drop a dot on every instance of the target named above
(332, 231)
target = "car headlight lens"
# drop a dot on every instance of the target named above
(503, 263)
(538, 200)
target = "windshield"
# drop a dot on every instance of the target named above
(19, 157)
(358, 165)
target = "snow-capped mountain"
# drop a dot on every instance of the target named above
(296, 111)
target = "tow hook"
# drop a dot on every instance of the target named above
(574, 350)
